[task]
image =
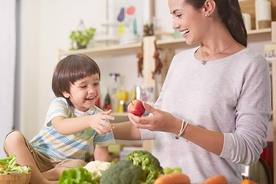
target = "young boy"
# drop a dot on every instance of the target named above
(72, 124)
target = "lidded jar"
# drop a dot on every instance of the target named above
(263, 14)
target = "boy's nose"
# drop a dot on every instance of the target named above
(90, 90)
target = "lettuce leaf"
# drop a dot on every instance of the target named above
(11, 167)
(77, 175)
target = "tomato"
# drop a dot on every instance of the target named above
(2, 167)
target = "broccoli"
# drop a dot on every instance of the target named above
(149, 164)
(123, 172)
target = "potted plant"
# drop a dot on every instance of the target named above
(81, 38)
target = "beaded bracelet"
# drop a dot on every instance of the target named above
(182, 129)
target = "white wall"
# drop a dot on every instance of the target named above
(30, 63)
(46, 25)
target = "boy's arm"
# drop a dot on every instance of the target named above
(101, 154)
(98, 122)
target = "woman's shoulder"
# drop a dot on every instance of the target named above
(247, 60)
(187, 54)
(249, 56)
(250, 53)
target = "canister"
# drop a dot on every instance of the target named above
(263, 14)
(247, 21)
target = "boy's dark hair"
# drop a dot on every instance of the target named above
(70, 69)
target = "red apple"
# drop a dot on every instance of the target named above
(136, 107)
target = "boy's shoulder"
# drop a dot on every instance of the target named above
(94, 110)
(58, 103)
(60, 100)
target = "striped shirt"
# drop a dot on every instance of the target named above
(73, 146)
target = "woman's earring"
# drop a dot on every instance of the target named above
(206, 15)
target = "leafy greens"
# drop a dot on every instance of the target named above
(9, 166)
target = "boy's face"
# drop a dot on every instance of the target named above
(84, 92)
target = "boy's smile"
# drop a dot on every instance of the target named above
(84, 92)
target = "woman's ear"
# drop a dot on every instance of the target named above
(209, 7)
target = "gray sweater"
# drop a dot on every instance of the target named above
(230, 95)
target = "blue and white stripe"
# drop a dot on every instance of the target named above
(73, 146)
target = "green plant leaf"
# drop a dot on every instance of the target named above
(81, 38)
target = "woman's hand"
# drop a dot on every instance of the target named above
(99, 122)
(159, 121)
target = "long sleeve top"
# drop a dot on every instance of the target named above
(231, 95)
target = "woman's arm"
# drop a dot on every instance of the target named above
(126, 131)
(209, 140)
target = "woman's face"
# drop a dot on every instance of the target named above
(189, 21)
(84, 92)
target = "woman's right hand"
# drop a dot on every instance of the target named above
(158, 121)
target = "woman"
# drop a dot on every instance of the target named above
(214, 106)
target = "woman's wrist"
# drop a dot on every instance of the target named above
(184, 125)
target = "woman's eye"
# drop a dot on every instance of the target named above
(177, 16)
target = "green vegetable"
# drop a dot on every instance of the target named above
(169, 170)
(77, 175)
(81, 38)
(149, 164)
(123, 172)
(9, 166)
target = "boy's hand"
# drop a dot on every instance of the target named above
(98, 122)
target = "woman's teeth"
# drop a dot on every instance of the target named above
(185, 32)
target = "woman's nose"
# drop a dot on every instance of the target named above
(175, 24)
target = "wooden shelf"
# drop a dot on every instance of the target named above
(126, 49)
(123, 114)
(119, 117)
(110, 50)
(251, 32)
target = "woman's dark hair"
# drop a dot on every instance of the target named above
(70, 69)
(231, 16)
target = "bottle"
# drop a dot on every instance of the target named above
(107, 102)
(98, 102)
(263, 14)
(115, 84)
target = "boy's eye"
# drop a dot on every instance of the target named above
(83, 86)
(96, 84)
